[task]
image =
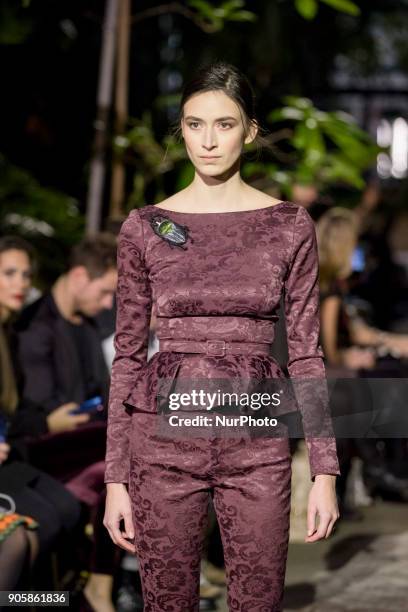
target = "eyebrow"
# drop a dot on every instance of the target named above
(219, 118)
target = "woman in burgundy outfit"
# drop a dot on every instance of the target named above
(215, 259)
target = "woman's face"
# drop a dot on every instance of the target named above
(213, 132)
(15, 280)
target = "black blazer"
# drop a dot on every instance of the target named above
(47, 356)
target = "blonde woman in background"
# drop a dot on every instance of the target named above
(347, 341)
(351, 346)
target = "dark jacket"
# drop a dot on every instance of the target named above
(28, 419)
(49, 360)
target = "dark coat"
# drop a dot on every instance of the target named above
(50, 363)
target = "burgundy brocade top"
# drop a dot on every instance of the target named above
(224, 283)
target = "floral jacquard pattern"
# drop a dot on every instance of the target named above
(225, 283)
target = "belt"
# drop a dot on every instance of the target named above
(214, 347)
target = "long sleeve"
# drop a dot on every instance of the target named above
(305, 362)
(134, 303)
(36, 361)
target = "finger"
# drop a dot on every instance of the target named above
(321, 530)
(330, 526)
(82, 418)
(120, 541)
(69, 407)
(129, 531)
(311, 520)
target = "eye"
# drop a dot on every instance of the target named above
(226, 123)
(192, 123)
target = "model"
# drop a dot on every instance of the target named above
(214, 259)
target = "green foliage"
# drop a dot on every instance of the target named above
(50, 220)
(149, 158)
(15, 23)
(216, 16)
(344, 6)
(328, 147)
(309, 8)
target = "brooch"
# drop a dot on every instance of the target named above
(174, 233)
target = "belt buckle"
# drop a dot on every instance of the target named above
(214, 346)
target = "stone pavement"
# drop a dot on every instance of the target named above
(362, 567)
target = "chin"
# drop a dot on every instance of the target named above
(214, 169)
(15, 307)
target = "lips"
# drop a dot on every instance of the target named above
(209, 156)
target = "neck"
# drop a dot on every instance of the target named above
(65, 300)
(206, 193)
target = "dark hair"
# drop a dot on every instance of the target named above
(18, 243)
(222, 76)
(97, 254)
(8, 386)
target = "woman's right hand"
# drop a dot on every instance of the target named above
(356, 358)
(4, 451)
(118, 507)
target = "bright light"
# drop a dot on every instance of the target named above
(399, 148)
(394, 135)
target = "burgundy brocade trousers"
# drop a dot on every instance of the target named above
(170, 485)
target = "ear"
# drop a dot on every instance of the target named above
(80, 275)
(253, 131)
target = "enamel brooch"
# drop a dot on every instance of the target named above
(174, 233)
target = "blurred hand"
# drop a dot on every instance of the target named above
(118, 507)
(355, 357)
(397, 344)
(60, 419)
(323, 503)
(4, 451)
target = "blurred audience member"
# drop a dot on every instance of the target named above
(349, 343)
(55, 428)
(59, 342)
(35, 493)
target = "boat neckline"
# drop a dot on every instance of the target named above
(225, 212)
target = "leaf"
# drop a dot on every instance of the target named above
(287, 112)
(307, 8)
(298, 102)
(185, 175)
(242, 16)
(232, 5)
(345, 6)
(339, 169)
(204, 8)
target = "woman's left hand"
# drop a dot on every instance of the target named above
(4, 451)
(322, 502)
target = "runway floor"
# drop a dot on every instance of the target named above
(363, 567)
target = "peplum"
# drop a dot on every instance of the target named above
(216, 281)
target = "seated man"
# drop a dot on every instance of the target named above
(59, 345)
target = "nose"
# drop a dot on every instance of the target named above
(209, 140)
(108, 302)
(22, 283)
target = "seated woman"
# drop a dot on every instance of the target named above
(36, 493)
(14, 538)
(350, 345)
